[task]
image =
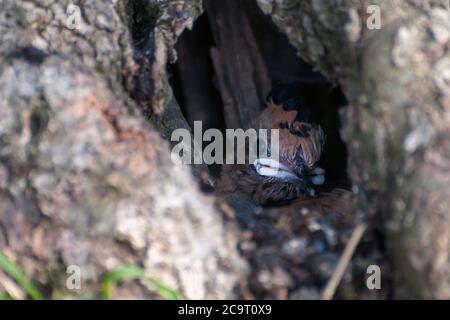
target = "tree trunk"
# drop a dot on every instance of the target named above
(84, 179)
(398, 85)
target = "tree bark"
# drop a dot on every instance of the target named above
(84, 178)
(87, 180)
(398, 85)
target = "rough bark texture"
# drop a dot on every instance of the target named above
(398, 85)
(84, 179)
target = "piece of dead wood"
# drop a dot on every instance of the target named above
(240, 70)
(13, 290)
(346, 256)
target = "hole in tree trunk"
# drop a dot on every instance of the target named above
(227, 65)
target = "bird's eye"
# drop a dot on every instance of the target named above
(284, 125)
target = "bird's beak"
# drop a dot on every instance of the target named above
(273, 168)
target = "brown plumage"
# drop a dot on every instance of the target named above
(300, 148)
(295, 136)
(303, 234)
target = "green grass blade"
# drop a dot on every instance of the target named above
(116, 276)
(5, 296)
(164, 291)
(14, 272)
(132, 273)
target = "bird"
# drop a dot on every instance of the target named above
(294, 220)
(301, 140)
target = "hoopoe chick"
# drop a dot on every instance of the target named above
(301, 142)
